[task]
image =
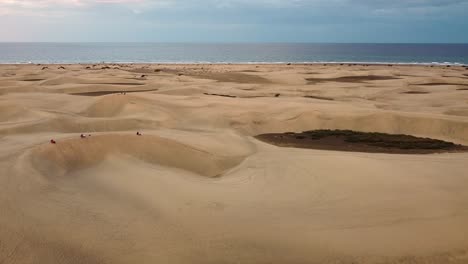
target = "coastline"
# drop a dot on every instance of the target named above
(435, 64)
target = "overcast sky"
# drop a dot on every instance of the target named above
(421, 21)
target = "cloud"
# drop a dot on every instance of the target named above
(168, 20)
(407, 3)
(46, 4)
(62, 7)
(316, 8)
(375, 4)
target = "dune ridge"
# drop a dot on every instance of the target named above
(75, 154)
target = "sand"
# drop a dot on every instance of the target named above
(198, 187)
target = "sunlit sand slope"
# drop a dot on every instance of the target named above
(197, 187)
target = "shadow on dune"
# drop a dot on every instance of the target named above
(352, 79)
(347, 140)
(101, 93)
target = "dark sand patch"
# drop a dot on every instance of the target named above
(462, 89)
(409, 75)
(222, 95)
(352, 79)
(231, 77)
(261, 96)
(319, 97)
(143, 70)
(100, 93)
(347, 140)
(438, 84)
(32, 80)
(120, 83)
(137, 78)
(415, 92)
(249, 71)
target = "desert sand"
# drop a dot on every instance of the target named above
(198, 187)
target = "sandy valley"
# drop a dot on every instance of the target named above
(198, 187)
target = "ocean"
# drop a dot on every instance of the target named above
(452, 54)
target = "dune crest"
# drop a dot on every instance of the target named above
(75, 154)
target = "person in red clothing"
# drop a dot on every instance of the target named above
(83, 136)
(138, 134)
(52, 141)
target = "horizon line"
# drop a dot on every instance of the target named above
(231, 42)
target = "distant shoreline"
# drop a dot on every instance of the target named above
(249, 63)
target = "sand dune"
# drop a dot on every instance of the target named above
(113, 105)
(10, 112)
(198, 187)
(76, 154)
